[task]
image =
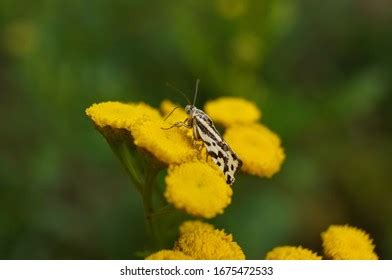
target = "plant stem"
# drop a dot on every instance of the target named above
(167, 209)
(142, 169)
(123, 152)
(147, 196)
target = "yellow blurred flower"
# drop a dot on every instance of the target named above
(21, 38)
(168, 255)
(205, 243)
(120, 115)
(258, 147)
(247, 49)
(291, 253)
(190, 226)
(231, 9)
(198, 188)
(229, 111)
(347, 243)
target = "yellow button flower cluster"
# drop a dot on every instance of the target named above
(194, 183)
(201, 241)
(145, 125)
(339, 243)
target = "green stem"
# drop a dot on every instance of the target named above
(142, 169)
(167, 209)
(147, 196)
(123, 152)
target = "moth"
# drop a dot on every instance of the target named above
(204, 130)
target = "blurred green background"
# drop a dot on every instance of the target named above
(319, 70)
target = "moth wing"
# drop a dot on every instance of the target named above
(233, 165)
(207, 119)
(223, 156)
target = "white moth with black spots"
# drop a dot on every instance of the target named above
(204, 130)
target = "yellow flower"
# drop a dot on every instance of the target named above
(168, 255)
(209, 245)
(190, 226)
(229, 111)
(171, 146)
(258, 147)
(291, 253)
(198, 188)
(201, 241)
(347, 243)
(231, 9)
(21, 37)
(178, 115)
(120, 115)
(247, 49)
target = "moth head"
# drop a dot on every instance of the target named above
(189, 109)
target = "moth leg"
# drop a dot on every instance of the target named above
(187, 123)
(176, 124)
(179, 124)
(200, 147)
(194, 144)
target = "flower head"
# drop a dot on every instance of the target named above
(209, 244)
(191, 226)
(199, 188)
(171, 146)
(291, 253)
(120, 115)
(168, 255)
(347, 243)
(229, 111)
(201, 241)
(258, 147)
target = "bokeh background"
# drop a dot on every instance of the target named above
(319, 70)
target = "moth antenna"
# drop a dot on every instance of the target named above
(176, 89)
(172, 111)
(196, 88)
